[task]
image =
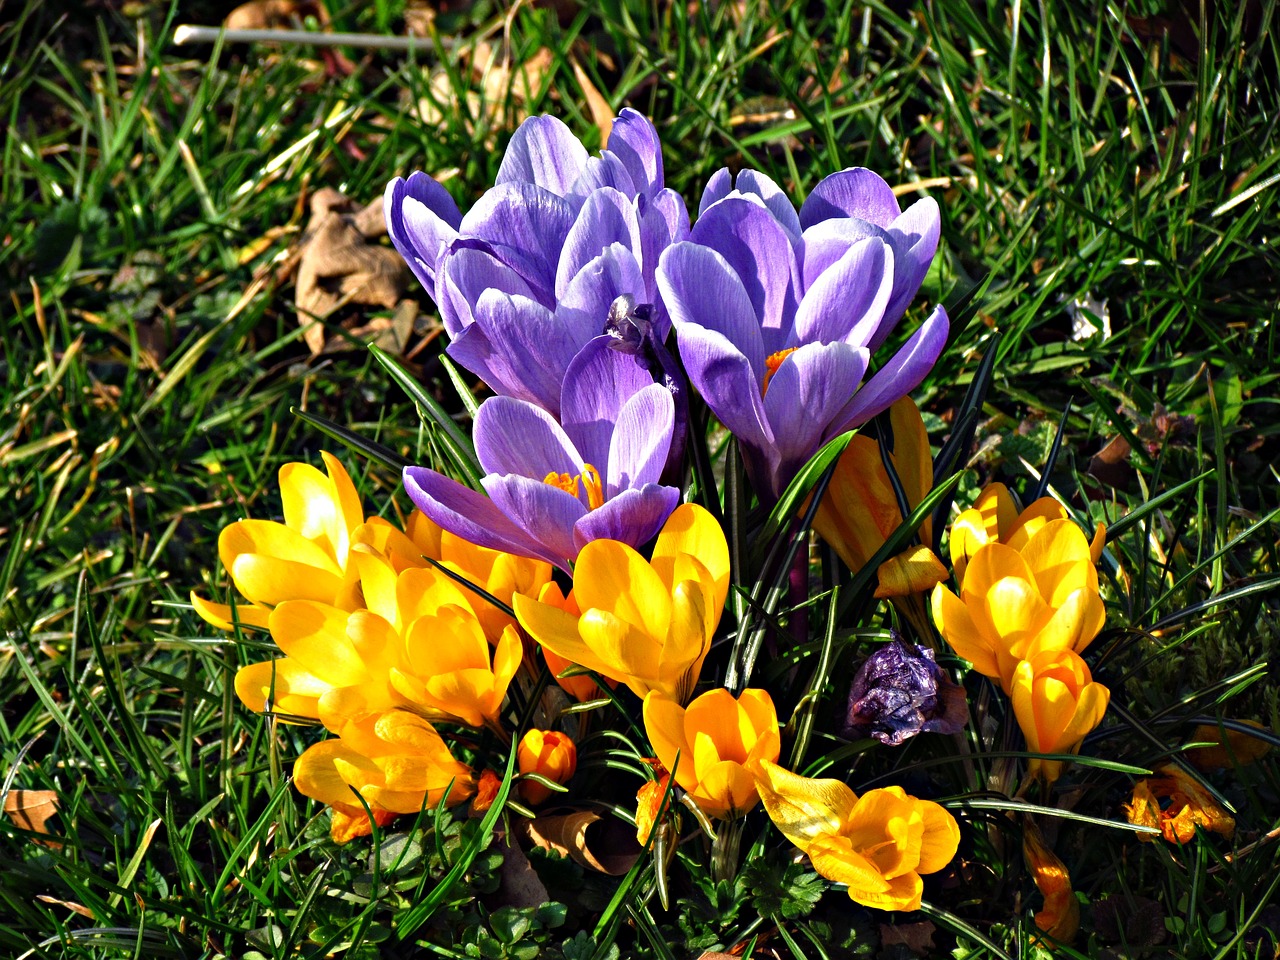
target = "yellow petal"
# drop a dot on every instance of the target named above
(506, 660)
(622, 650)
(834, 858)
(316, 773)
(1032, 520)
(611, 576)
(1013, 609)
(881, 828)
(451, 640)
(270, 580)
(378, 586)
(1073, 626)
(691, 530)
(425, 533)
(556, 629)
(272, 539)
(954, 622)
(315, 635)
(941, 837)
(222, 616)
(726, 789)
(860, 508)
(716, 715)
(1059, 557)
(1060, 917)
(1098, 543)
(916, 570)
(284, 683)
(800, 807)
(664, 725)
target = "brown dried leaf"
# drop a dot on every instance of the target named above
(601, 112)
(605, 845)
(274, 14)
(1110, 465)
(520, 884)
(337, 264)
(69, 904)
(31, 809)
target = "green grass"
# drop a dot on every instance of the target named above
(1075, 152)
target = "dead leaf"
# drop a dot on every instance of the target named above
(69, 904)
(601, 112)
(275, 14)
(31, 809)
(916, 937)
(520, 884)
(338, 265)
(1110, 465)
(574, 835)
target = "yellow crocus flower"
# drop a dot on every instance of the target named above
(1060, 916)
(1056, 702)
(1016, 603)
(714, 747)
(549, 754)
(878, 844)
(647, 624)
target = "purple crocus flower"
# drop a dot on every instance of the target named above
(900, 691)
(527, 276)
(777, 313)
(553, 487)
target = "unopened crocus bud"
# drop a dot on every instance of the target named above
(900, 691)
(549, 754)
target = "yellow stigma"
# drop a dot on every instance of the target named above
(590, 478)
(562, 480)
(772, 362)
(595, 489)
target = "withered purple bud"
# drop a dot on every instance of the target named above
(900, 691)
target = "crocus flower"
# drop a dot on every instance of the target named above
(305, 557)
(1056, 702)
(777, 315)
(900, 691)
(549, 754)
(527, 276)
(554, 487)
(1060, 916)
(1017, 603)
(878, 844)
(715, 745)
(860, 510)
(995, 518)
(396, 762)
(647, 624)
(1188, 805)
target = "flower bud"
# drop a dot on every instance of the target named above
(549, 754)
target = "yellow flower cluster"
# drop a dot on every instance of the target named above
(1029, 604)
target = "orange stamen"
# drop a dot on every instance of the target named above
(772, 362)
(562, 480)
(595, 489)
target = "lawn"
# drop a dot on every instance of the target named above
(1108, 177)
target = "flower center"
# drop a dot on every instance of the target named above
(772, 362)
(590, 479)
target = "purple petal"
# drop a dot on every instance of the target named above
(759, 250)
(471, 515)
(633, 516)
(726, 381)
(526, 226)
(634, 141)
(515, 437)
(807, 392)
(607, 217)
(466, 270)
(856, 192)
(914, 237)
(825, 243)
(605, 171)
(584, 306)
(545, 512)
(700, 287)
(422, 219)
(672, 209)
(909, 366)
(518, 347)
(598, 383)
(543, 151)
(717, 189)
(848, 299)
(662, 223)
(641, 439)
(779, 204)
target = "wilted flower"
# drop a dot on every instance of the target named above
(527, 277)
(1056, 702)
(646, 624)
(1234, 747)
(649, 805)
(304, 558)
(900, 691)
(554, 487)
(1015, 604)
(1060, 917)
(487, 788)
(878, 844)
(994, 518)
(777, 315)
(1188, 805)
(395, 761)
(549, 754)
(715, 745)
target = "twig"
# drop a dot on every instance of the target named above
(189, 33)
